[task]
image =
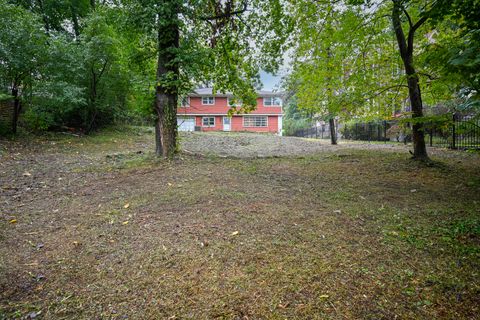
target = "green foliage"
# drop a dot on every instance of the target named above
(22, 46)
(294, 118)
(347, 61)
(67, 78)
(454, 53)
(343, 61)
(82, 64)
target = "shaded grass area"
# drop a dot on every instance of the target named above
(344, 234)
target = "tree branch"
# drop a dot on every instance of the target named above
(397, 26)
(411, 32)
(408, 16)
(228, 13)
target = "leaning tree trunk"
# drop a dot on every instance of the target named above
(167, 77)
(333, 132)
(406, 52)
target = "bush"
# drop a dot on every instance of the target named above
(37, 120)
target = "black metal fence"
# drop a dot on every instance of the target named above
(318, 132)
(369, 131)
(457, 132)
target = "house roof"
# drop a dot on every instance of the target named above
(209, 92)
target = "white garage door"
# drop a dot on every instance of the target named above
(186, 123)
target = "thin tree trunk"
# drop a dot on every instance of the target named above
(333, 133)
(331, 120)
(406, 52)
(16, 108)
(166, 90)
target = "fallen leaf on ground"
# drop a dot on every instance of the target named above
(126, 205)
(125, 223)
(234, 233)
(324, 296)
(13, 221)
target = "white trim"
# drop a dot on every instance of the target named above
(209, 126)
(229, 124)
(280, 125)
(208, 104)
(249, 116)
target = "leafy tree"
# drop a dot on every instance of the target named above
(22, 52)
(346, 46)
(58, 95)
(77, 79)
(105, 79)
(59, 15)
(207, 41)
(453, 53)
(294, 118)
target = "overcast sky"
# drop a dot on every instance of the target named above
(270, 81)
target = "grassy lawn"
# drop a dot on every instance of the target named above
(96, 228)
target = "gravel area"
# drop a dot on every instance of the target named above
(247, 145)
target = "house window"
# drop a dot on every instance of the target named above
(232, 102)
(255, 121)
(208, 100)
(272, 101)
(208, 121)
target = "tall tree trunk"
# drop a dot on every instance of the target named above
(167, 74)
(406, 52)
(331, 119)
(333, 132)
(16, 108)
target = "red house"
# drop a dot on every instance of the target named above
(204, 111)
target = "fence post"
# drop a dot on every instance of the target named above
(454, 134)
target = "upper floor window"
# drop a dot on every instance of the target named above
(272, 101)
(208, 100)
(232, 102)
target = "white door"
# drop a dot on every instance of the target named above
(226, 123)
(186, 123)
